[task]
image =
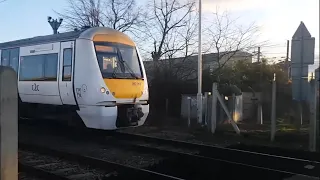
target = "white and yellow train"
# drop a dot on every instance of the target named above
(92, 77)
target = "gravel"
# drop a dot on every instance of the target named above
(53, 164)
(25, 176)
(187, 137)
(114, 154)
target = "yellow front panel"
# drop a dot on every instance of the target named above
(113, 38)
(125, 88)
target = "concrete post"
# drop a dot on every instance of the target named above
(8, 124)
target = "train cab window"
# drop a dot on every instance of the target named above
(5, 54)
(118, 61)
(67, 64)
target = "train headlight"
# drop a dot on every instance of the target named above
(102, 90)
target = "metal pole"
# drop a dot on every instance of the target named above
(199, 95)
(273, 108)
(287, 60)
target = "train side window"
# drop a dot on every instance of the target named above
(14, 58)
(5, 54)
(67, 64)
(51, 67)
(32, 68)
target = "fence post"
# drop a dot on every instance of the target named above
(221, 111)
(189, 111)
(260, 114)
(214, 108)
(8, 124)
(233, 105)
(167, 106)
(273, 108)
(206, 112)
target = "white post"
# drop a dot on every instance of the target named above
(313, 116)
(206, 115)
(189, 111)
(8, 124)
(199, 95)
(214, 108)
(273, 108)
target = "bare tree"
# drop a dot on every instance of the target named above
(121, 15)
(166, 19)
(228, 39)
(173, 38)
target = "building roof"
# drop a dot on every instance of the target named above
(206, 58)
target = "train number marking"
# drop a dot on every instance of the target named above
(136, 83)
(78, 91)
(35, 87)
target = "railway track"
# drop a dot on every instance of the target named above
(50, 163)
(194, 161)
(243, 156)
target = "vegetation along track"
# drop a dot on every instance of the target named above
(185, 160)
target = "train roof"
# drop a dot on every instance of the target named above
(66, 36)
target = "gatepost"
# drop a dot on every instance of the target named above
(8, 124)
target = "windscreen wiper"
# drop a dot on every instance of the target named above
(126, 65)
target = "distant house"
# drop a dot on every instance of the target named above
(186, 67)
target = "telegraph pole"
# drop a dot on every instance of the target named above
(260, 61)
(199, 95)
(55, 24)
(258, 54)
(287, 60)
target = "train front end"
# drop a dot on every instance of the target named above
(118, 95)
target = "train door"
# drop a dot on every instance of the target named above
(38, 74)
(66, 71)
